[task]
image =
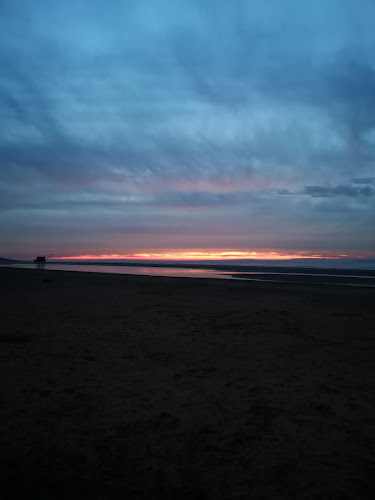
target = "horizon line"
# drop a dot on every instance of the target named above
(210, 255)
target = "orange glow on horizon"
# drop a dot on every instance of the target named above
(194, 255)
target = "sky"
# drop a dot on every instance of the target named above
(201, 128)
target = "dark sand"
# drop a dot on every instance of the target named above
(116, 386)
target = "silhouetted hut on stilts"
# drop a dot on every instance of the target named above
(40, 262)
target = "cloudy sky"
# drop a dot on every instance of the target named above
(151, 126)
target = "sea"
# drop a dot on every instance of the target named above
(232, 271)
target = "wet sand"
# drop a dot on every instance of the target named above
(116, 386)
(310, 279)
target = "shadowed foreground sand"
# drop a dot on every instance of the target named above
(136, 387)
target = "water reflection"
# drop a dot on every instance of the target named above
(145, 271)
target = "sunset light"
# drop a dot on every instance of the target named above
(198, 255)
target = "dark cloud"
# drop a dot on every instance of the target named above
(351, 191)
(360, 188)
(364, 180)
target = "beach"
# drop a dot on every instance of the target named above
(119, 386)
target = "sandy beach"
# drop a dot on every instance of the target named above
(116, 386)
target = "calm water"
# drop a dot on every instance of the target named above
(302, 277)
(145, 271)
